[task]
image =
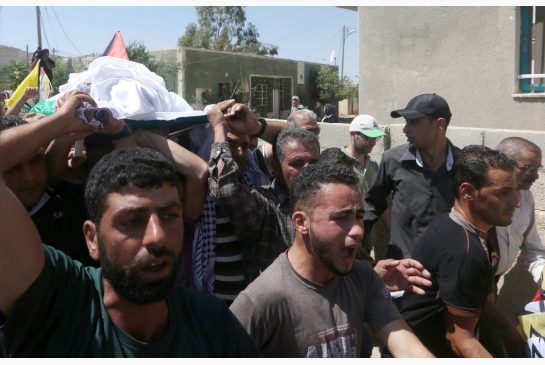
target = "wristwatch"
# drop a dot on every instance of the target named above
(262, 129)
(125, 132)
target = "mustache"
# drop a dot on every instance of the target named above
(156, 252)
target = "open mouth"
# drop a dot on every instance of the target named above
(156, 268)
(348, 254)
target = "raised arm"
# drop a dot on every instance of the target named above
(59, 149)
(191, 166)
(22, 258)
(30, 92)
(19, 142)
(241, 119)
(245, 207)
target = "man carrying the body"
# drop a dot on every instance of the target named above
(56, 307)
(314, 298)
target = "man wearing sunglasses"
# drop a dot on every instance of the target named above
(522, 234)
(304, 118)
(364, 132)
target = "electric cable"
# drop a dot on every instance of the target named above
(67, 37)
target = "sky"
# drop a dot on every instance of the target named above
(304, 33)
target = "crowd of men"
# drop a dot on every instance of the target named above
(139, 247)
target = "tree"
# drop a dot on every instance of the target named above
(13, 73)
(138, 52)
(330, 88)
(60, 73)
(16, 71)
(224, 28)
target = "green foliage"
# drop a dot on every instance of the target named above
(330, 88)
(60, 73)
(224, 28)
(242, 93)
(13, 73)
(138, 52)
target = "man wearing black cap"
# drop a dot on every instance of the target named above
(417, 174)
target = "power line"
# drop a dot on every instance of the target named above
(67, 37)
(321, 22)
(51, 29)
(312, 53)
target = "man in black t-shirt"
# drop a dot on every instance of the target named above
(47, 63)
(454, 250)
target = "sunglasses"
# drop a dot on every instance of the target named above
(316, 130)
(364, 136)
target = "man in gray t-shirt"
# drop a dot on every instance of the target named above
(314, 299)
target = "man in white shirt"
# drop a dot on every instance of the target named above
(522, 234)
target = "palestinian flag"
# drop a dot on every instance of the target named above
(45, 88)
(116, 48)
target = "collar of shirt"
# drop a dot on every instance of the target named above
(464, 223)
(448, 163)
(39, 205)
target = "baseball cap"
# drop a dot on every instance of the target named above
(367, 125)
(431, 105)
(294, 97)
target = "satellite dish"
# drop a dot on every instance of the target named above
(332, 58)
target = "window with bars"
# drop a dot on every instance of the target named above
(532, 50)
(285, 94)
(262, 88)
(261, 95)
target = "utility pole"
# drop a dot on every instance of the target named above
(342, 58)
(346, 32)
(38, 17)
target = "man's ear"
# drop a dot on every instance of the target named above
(91, 237)
(301, 222)
(442, 123)
(467, 191)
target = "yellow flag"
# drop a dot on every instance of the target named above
(30, 81)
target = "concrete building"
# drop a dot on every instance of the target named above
(266, 83)
(472, 56)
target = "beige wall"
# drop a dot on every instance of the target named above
(466, 54)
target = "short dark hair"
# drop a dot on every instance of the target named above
(142, 167)
(335, 156)
(310, 180)
(473, 164)
(286, 135)
(329, 109)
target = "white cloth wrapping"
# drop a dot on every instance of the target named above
(129, 90)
